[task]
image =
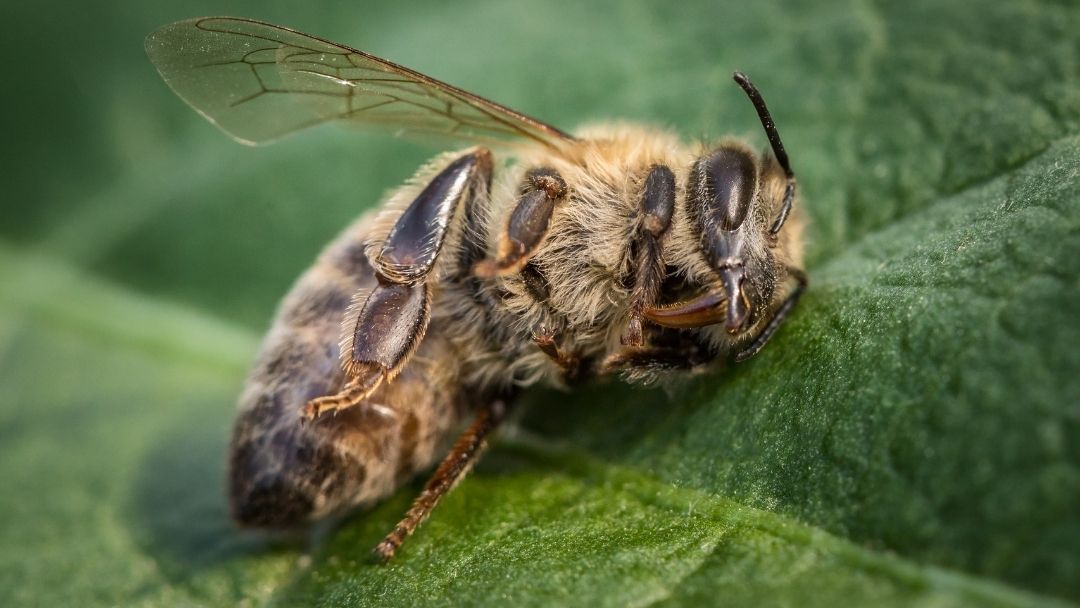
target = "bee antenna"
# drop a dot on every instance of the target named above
(766, 121)
(774, 140)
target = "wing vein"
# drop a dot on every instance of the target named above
(317, 81)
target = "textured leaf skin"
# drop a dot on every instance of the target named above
(911, 436)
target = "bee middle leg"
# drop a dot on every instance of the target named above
(461, 459)
(568, 362)
(393, 316)
(528, 223)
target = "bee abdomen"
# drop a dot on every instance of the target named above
(284, 473)
(278, 468)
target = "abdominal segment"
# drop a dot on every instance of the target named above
(282, 472)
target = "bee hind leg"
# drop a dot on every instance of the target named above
(461, 459)
(392, 318)
(351, 394)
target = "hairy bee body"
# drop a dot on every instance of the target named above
(620, 250)
(481, 338)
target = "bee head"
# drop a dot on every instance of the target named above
(737, 203)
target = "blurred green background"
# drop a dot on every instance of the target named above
(912, 436)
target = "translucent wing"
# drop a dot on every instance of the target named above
(258, 82)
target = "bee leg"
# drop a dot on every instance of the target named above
(392, 318)
(657, 204)
(452, 469)
(640, 361)
(391, 322)
(777, 319)
(528, 223)
(352, 393)
(569, 363)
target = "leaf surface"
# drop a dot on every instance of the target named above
(910, 436)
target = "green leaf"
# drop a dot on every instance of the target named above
(910, 436)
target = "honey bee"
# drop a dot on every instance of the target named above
(617, 250)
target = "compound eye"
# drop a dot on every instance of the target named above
(723, 184)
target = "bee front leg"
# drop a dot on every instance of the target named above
(777, 319)
(387, 323)
(657, 205)
(451, 470)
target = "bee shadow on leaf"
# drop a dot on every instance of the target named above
(178, 511)
(608, 419)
